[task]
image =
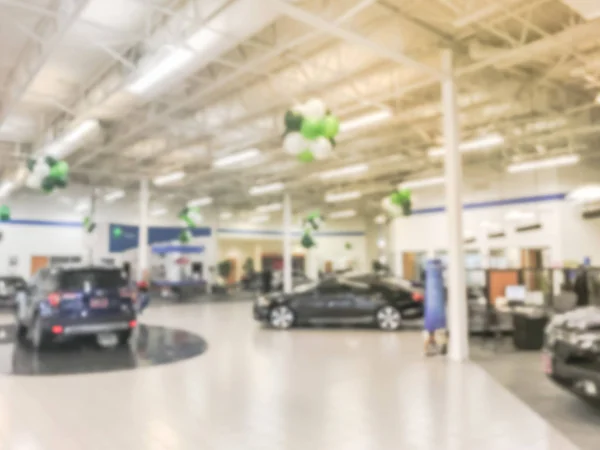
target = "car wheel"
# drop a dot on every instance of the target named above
(388, 318)
(36, 334)
(281, 317)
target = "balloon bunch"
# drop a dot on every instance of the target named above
(399, 203)
(190, 216)
(47, 173)
(310, 131)
(310, 224)
(4, 213)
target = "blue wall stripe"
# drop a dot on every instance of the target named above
(43, 223)
(497, 203)
(280, 233)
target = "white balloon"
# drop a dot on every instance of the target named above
(295, 143)
(321, 147)
(41, 169)
(314, 108)
(391, 208)
(300, 109)
(33, 181)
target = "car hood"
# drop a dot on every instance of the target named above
(580, 319)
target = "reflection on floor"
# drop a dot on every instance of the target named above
(521, 373)
(149, 346)
(260, 389)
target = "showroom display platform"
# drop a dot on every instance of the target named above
(149, 346)
(522, 373)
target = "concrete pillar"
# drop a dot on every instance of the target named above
(287, 244)
(143, 254)
(457, 302)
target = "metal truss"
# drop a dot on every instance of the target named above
(42, 40)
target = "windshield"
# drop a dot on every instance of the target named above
(12, 281)
(85, 280)
(397, 283)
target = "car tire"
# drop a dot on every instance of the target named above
(388, 318)
(36, 335)
(124, 337)
(281, 317)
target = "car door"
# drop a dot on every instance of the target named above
(306, 303)
(337, 300)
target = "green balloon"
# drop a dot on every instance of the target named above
(293, 121)
(307, 241)
(348, 246)
(311, 128)
(30, 164)
(51, 161)
(48, 184)
(60, 170)
(331, 126)
(184, 237)
(306, 156)
(117, 232)
(4, 213)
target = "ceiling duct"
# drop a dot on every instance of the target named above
(589, 9)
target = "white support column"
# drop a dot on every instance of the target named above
(143, 260)
(457, 303)
(212, 260)
(287, 244)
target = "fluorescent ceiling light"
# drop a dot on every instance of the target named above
(517, 216)
(115, 195)
(266, 189)
(480, 143)
(269, 208)
(424, 182)
(565, 160)
(68, 142)
(367, 119)
(169, 178)
(381, 243)
(344, 171)
(203, 201)
(342, 214)
(584, 194)
(380, 219)
(167, 66)
(259, 219)
(342, 196)
(225, 215)
(159, 212)
(236, 158)
(203, 40)
(6, 188)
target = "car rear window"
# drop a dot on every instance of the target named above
(83, 280)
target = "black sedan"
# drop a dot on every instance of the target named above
(572, 353)
(9, 286)
(385, 302)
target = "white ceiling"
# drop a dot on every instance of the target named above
(526, 69)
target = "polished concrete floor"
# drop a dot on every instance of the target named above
(521, 373)
(259, 389)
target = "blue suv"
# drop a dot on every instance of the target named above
(63, 303)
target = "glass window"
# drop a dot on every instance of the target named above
(77, 280)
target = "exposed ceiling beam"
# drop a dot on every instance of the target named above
(50, 31)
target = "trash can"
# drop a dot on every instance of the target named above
(528, 328)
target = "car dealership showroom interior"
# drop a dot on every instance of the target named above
(299, 224)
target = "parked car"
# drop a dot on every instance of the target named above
(572, 352)
(342, 300)
(64, 303)
(9, 286)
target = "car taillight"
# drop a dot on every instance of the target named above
(132, 323)
(417, 296)
(57, 329)
(54, 299)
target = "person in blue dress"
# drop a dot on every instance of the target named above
(435, 308)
